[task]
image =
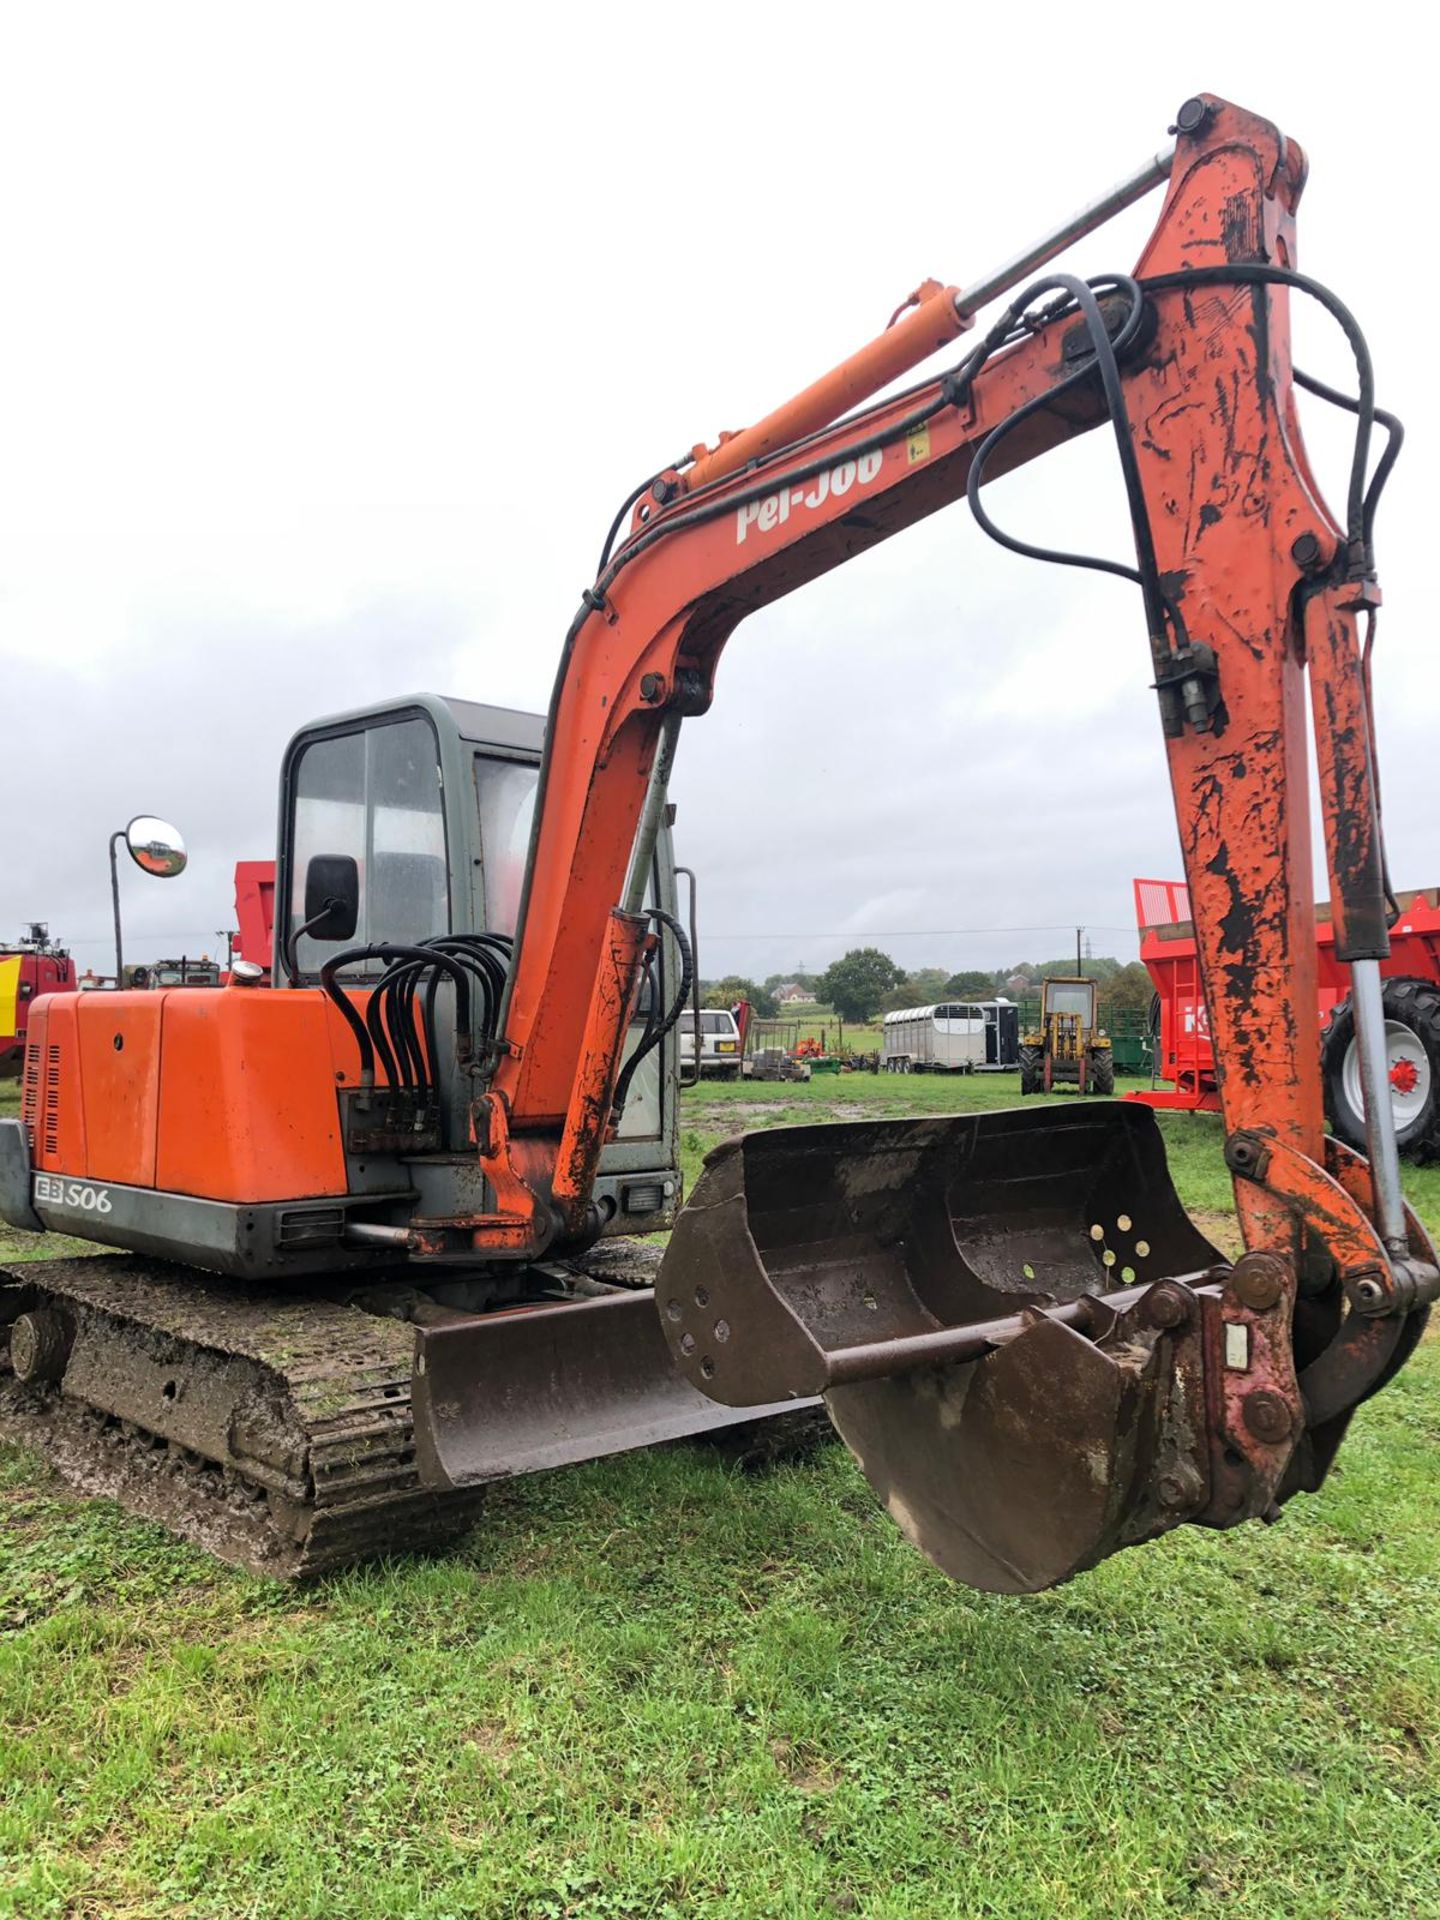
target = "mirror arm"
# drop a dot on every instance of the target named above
(292, 945)
(121, 834)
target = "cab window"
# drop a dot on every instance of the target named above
(505, 795)
(374, 795)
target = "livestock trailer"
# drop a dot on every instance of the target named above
(971, 1036)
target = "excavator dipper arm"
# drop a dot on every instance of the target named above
(1034, 1354)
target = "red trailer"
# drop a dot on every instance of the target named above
(31, 967)
(1185, 1058)
(255, 910)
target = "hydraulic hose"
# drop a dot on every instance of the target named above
(656, 1029)
(372, 1039)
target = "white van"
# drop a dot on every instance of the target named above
(719, 1043)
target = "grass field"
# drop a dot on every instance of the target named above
(663, 1687)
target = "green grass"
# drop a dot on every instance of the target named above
(659, 1686)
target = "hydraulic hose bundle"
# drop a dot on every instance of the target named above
(398, 1028)
(399, 1024)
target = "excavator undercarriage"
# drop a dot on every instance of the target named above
(278, 1430)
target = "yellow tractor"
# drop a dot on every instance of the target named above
(1067, 1048)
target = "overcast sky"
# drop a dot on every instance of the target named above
(333, 336)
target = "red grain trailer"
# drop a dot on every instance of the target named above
(255, 910)
(1411, 975)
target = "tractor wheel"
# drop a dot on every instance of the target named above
(1032, 1070)
(1412, 1046)
(1102, 1072)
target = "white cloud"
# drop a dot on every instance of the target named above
(335, 334)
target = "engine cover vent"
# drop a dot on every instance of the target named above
(50, 1107)
(30, 1096)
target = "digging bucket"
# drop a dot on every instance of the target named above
(522, 1391)
(980, 1300)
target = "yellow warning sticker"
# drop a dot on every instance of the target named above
(918, 445)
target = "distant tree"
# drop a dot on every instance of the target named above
(1129, 990)
(919, 989)
(1101, 967)
(734, 987)
(970, 985)
(1124, 986)
(856, 984)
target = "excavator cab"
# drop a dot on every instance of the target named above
(237, 1130)
(428, 804)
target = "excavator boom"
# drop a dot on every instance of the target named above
(1035, 1356)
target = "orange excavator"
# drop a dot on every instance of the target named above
(376, 1210)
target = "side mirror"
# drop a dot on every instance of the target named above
(332, 896)
(155, 846)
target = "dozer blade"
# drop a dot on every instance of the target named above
(984, 1302)
(521, 1391)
